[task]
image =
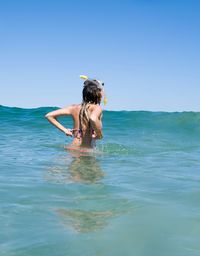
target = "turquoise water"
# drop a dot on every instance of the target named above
(139, 194)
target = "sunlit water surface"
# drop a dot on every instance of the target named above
(137, 194)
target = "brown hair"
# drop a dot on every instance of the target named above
(91, 95)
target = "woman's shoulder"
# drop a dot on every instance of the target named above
(73, 107)
(96, 110)
(96, 107)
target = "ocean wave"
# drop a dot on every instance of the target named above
(115, 122)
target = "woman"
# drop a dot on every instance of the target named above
(87, 125)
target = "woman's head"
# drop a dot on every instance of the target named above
(92, 91)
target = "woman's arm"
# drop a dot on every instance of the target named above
(52, 118)
(95, 120)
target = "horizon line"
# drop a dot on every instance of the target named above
(111, 110)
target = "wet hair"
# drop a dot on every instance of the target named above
(91, 95)
(92, 92)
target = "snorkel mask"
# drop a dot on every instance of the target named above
(98, 83)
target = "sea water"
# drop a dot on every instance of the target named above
(137, 194)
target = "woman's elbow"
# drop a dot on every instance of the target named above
(99, 136)
(48, 116)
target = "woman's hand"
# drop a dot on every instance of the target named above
(95, 137)
(68, 132)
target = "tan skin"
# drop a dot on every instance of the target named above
(95, 114)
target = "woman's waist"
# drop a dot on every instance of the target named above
(83, 142)
(83, 139)
(81, 133)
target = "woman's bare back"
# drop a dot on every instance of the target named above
(84, 134)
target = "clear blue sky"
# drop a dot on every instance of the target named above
(146, 51)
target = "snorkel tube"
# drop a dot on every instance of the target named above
(98, 83)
